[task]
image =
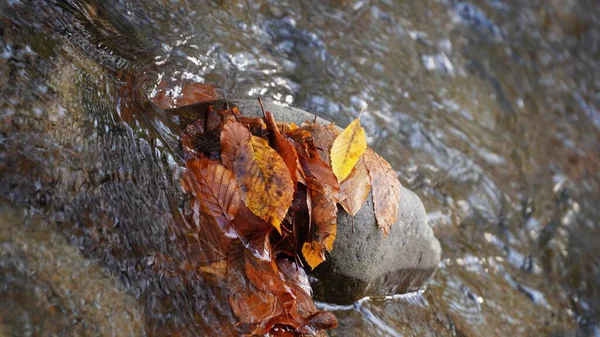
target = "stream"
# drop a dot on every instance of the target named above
(489, 110)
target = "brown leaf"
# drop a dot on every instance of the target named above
(233, 136)
(191, 93)
(354, 191)
(323, 320)
(215, 188)
(249, 304)
(208, 244)
(319, 170)
(323, 137)
(195, 140)
(324, 211)
(266, 185)
(283, 146)
(386, 189)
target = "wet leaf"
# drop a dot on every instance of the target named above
(215, 188)
(217, 270)
(324, 214)
(233, 137)
(354, 191)
(319, 170)
(194, 140)
(249, 304)
(266, 185)
(347, 149)
(322, 320)
(386, 190)
(191, 93)
(283, 146)
(313, 253)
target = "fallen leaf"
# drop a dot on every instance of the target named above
(386, 190)
(323, 137)
(330, 238)
(191, 93)
(215, 188)
(283, 146)
(208, 243)
(195, 140)
(249, 304)
(354, 191)
(319, 170)
(216, 270)
(324, 213)
(313, 253)
(233, 137)
(266, 185)
(347, 149)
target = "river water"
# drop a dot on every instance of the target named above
(489, 110)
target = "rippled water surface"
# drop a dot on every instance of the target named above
(489, 110)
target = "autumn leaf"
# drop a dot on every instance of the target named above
(191, 93)
(386, 189)
(347, 149)
(233, 137)
(313, 253)
(324, 216)
(215, 188)
(283, 146)
(354, 191)
(323, 137)
(195, 140)
(266, 185)
(216, 270)
(324, 213)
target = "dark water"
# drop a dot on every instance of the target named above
(489, 111)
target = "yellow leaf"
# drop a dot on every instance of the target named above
(313, 254)
(347, 149)
(266, 185)
(328, 242)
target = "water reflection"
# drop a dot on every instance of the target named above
(488, 110)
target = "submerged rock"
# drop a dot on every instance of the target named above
(48, 288)
(365, 262)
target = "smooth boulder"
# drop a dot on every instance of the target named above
(365, 262)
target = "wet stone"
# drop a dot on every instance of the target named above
(48, 288)
(364, 262)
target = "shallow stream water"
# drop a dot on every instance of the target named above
(489, 110)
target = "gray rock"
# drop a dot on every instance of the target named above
(364, 262)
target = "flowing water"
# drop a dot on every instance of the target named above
(489, 110)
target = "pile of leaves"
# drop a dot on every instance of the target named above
(264, 196)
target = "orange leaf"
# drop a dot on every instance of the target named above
(265, 181)
(233, 136)
(386, 189)
(354, 191)
(283, 146)
(313, 253)
(215, 187)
